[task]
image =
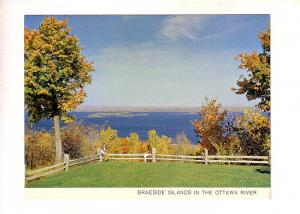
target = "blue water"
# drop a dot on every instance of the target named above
(165, 123)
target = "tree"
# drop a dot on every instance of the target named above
(210, 127)
(253, 130)
(257, 84)
(162, 144)
(183, 145)
(55, 74)
(135, 144)
(110, 138)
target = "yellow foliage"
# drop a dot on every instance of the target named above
(135, 144)
(161, 144)
(39, 150)
(209, 127)
(253, 120)
(257, 83)
(55, 70)
(254, 132)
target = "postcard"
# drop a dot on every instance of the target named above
(174, 106)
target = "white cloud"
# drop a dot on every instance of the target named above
(194, 27)
(182, 26)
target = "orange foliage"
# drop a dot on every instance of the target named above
(39, 150)
(209, 127)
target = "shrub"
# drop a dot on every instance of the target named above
(162, 144)
(183, 146)
(110, 137)
(71, 137)
(90, 140)
(39, 150)
(123, 146)
(253, 131)
(135, 144)
(127, 145)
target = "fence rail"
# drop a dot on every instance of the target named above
(32, 175)
(153, 157)
(63, 166)
(180, 156)
(83, 160)
(126, 155)
(239, 157)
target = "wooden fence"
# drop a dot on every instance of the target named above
(153, 157)
(263, 160)
(64, 166)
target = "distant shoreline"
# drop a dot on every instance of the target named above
(119, 114)
(114, 109)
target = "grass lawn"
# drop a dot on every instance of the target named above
(166, 174)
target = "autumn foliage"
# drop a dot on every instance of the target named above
(55, 74)
(72, 139)
(247, 134)
(162, 144)
(253, 128)
(253, 131)
(39, 149)
(210, 125)
(81, 141)
(256, 85)
(55, 70)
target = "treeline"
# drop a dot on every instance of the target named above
(81, 141)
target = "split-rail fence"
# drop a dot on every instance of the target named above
(149, 157)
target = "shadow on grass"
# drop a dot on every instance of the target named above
(264, 170)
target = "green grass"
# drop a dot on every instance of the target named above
(126, 174)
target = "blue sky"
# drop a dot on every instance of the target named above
(174, 60)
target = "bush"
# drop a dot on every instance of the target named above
(81, 140)
(90, 140)
(110, 137)
(135, 144)
(127, 145)
(253, 131)
(183, 146)
(162, 144)
(71, 137)
(39, 150)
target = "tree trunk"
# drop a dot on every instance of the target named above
(58, 146)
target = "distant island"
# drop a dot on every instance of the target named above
(126, 109)
(119, 114)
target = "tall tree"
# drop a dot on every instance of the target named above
(257, 84)
(55, 74)
(209, 128)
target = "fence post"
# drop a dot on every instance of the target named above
(206, 156)
(270, 158)
(66, 162)
(145, 158)
(100, 155)
(153, 155)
